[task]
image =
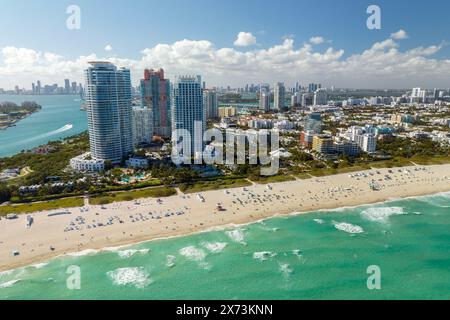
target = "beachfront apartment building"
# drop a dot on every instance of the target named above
(323, 143)
(188, 113)
(365, 137)
(155, 95)
(142, 123)
(109, 111)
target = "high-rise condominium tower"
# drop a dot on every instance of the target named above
(210, 103)
(279, 96)
(142, 125)
(320, 97)
(155, 93)
(264, 97)
(108, 100)
(188, 113)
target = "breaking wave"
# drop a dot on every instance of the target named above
(193, 253)
(381, 214)
(137, 277)
(123, 254)
(263, 255)
(170, 261)
(86, 252)
(8, 284)
(348, 227)
(214, 247)
(440, 200)
(236, 236)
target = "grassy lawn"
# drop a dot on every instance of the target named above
(432, 160)
(132, 195)
(40, 206)
(331, 171)
(396, 162)
(273, 179)
(303, 176)
(214, 185)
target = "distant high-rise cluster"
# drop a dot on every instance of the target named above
(69, 88)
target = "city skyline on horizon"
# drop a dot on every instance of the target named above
(404, 53)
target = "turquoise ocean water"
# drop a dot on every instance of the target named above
(321, 255)
(49, 124)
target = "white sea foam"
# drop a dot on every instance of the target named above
(381, 214)
(193, 253)
(236, 235)
(214, 247)
(263, 255)
(348, 227)
(39, 265)
(137, 277)
(441, 200)
(86, 252)
(170, 261)
(6, 273)
(131, 252)
(285, 269)
(319, 221)
(8, 284)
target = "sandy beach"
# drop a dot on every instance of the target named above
(68, 231)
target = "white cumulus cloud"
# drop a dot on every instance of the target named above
(245, 39)
(108, 47)
(399, 35)
(317, 40)
(382, 65)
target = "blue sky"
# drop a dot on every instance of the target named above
(131, 26)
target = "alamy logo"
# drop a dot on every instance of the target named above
(74, 20)
(73, 281)
(374, 280)
(232, 151)
(374, 20)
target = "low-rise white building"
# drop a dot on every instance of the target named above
(86, 163)
(137, 163)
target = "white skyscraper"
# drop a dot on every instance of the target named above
(188, 113)
(108, 100)
(418, 95)
(279, 96)
(264, 97)
(320, 97)
(142, 125)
